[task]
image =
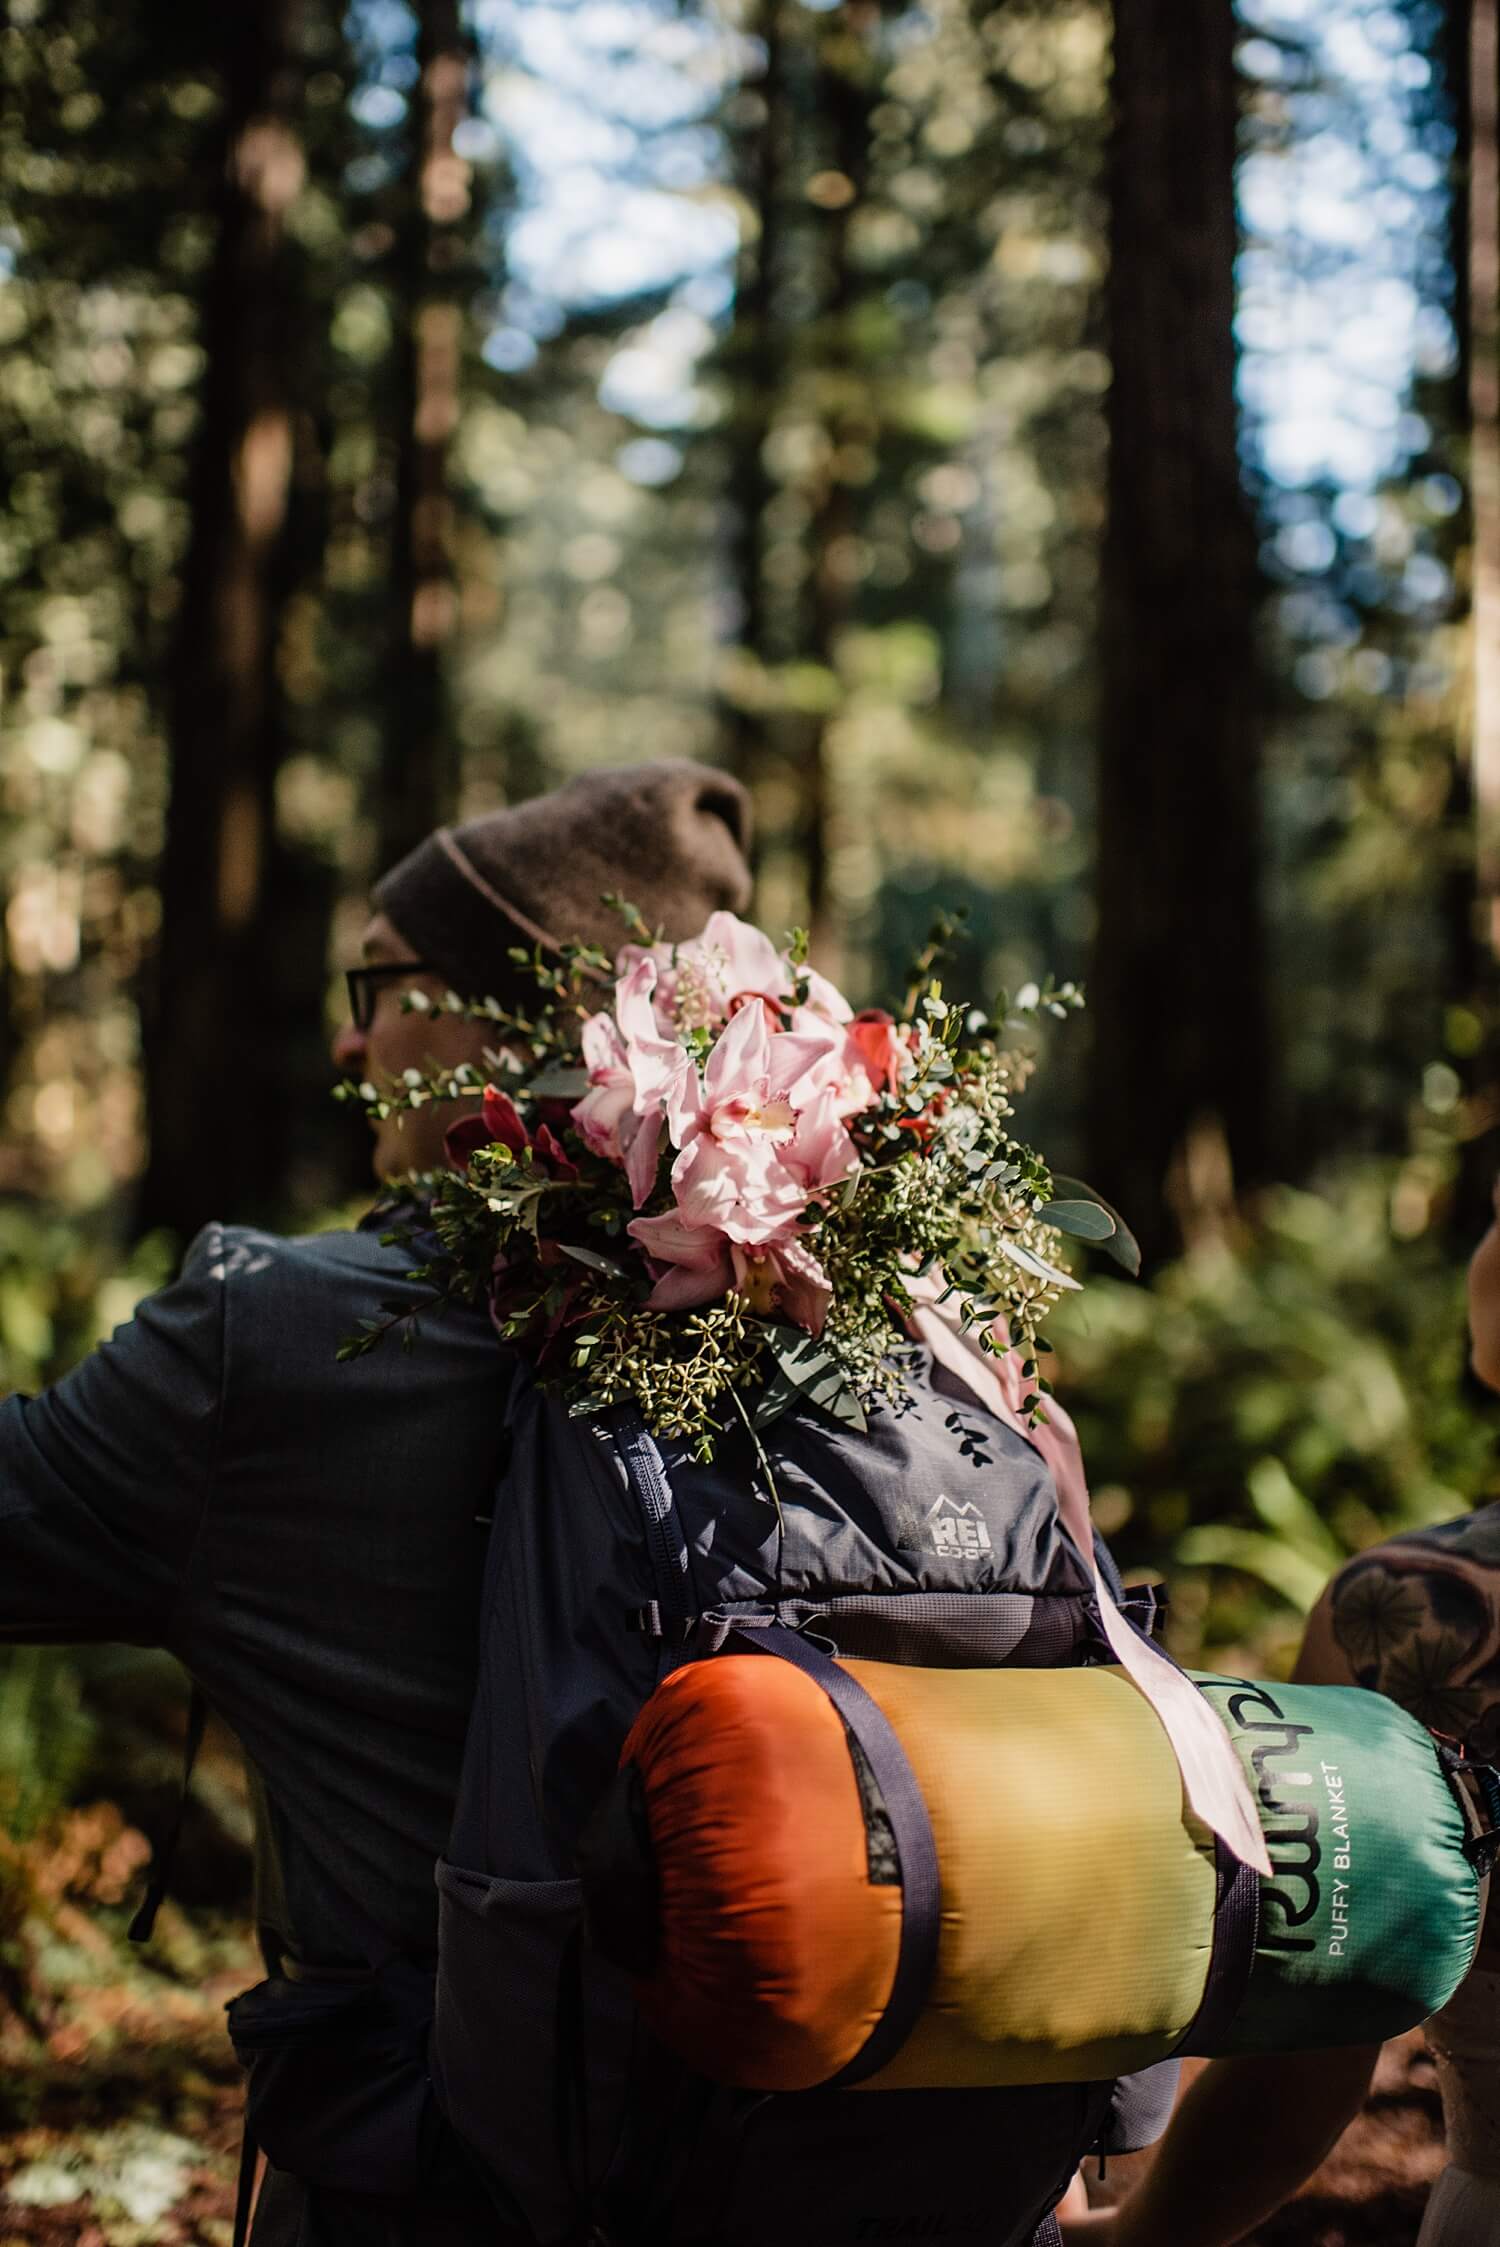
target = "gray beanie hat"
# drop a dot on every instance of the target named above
(671, 838)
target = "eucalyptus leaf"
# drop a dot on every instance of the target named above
(816, 1375)
(1121, 1244)
(559, 1083)
(1084, 1221)
(777, 1397)
(1029, 1261)
(592, 1258)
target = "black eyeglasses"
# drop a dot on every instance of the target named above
(365, 982)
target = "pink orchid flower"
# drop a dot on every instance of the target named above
(760, 1136)
(701, 1265)
(633, 1068)
(697, 1260)
(701, 981)
(787, 1280)
(605, 1118)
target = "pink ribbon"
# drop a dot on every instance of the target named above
(1211, 1771)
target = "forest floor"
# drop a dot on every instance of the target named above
(120, 2096)
(131, 2131)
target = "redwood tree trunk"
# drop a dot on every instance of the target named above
(1471, 890)
(211, 1048)
(419, 764)
(756, 369)
(1481, 298)
(1180, 1046)
(844, 103)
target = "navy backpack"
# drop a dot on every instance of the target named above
(932, 1537)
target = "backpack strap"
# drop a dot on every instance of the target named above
(164, 1853)
(674, 1608)
(921, 1896)
(244, 2192)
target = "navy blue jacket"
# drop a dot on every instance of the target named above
(306, 1536)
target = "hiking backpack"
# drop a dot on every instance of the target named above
(932, 1537)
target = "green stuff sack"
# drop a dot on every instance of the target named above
(1371, 1919)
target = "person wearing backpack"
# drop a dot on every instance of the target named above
(431, 1604)
(307, 1536)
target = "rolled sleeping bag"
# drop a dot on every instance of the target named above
(744, 1870)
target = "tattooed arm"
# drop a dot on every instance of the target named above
(1419, 1619)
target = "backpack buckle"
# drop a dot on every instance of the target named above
(1477, 1786)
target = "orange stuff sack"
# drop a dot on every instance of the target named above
(1077, 1904)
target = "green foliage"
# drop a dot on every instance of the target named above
(45, 1735)
(1282, 1397)
(65, 1285)
(62, 1288)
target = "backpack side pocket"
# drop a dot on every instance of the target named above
(337, 2090)
(532, 2041)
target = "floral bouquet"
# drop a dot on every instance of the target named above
(714, 1194)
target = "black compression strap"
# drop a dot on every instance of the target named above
(921, 1892)
(1236, 1926)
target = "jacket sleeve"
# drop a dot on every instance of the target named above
(105, 1476)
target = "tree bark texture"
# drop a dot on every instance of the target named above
(1180, 1061)
(211, 1038)
(756, 369)
(844, 103)
(419, 764)
(1482, 296)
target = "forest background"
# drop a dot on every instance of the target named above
(1051, 453)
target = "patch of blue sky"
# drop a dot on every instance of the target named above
(606, 110)
(1342, 284)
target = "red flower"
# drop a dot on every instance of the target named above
(463, 1139)
(502, 1120)
(499, 1124)
(879, 1048)
(552, 1157)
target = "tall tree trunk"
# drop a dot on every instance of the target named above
(844, 103)
(1472, 888)
(419, 763)
(208, 1097)
(1482, 302)
(1180, 1068)
(756, 369)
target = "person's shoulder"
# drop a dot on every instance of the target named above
(223, 1252)
(290, 1303)
(281, 1285)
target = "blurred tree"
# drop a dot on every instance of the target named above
(432, 278)
(1181, 1059)
(1472, 883)
(757, 130)
(215, 1018)
(1481, 294)
(844, 91)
